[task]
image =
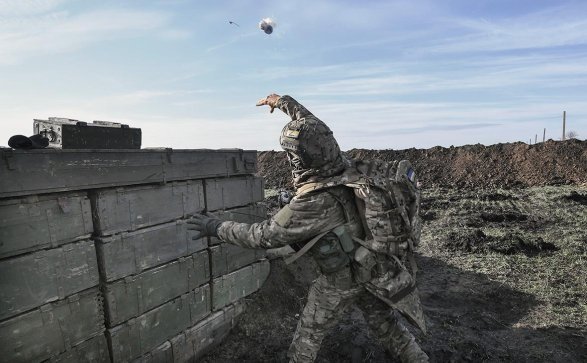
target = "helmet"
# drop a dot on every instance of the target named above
(312, 149)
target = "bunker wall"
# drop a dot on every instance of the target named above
(96, 262)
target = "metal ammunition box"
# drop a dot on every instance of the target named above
(74, 134)
(144, 333)
(252, 213)
(133, 295)
(233, 192)
(91, 137)
(130, 253)
(35, 222)
(130, 208)
(52, 328)
(229, 288)
(226, 258)
(48, 170)
(28, 281)
(94, 350)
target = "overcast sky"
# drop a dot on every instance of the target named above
(381, 74)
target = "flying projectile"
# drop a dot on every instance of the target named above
(267, 25)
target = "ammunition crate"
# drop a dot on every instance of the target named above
(233, 192)
(28, 281)
(131, 208)
(133, 295)
(35, 222)
(130, 253)
(193, 343)
(161, 354)
(144, 333)
(94, 350)
(235, 285)
(199, 337)
(40, 171)
(53, 328)
(226, 258)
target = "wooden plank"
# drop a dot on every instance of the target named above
(27, 172)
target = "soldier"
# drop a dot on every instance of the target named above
(309, 223)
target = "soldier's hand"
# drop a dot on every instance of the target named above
(270, 101)
(204, 225)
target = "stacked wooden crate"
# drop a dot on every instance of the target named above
(50, 303)
(166, 296)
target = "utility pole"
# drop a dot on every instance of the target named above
(535, 138)
(564, 123)
(544, 135)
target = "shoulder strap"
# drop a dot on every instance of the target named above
(306, 247)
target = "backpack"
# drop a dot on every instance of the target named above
(388, 197)
(388, 201)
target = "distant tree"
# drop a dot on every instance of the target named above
(572, 134)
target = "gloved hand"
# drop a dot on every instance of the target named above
(204, 225)
(270, 101)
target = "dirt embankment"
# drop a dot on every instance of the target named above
(470, 166)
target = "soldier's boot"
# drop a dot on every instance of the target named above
(400, 342)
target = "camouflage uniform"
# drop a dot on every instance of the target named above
(314, 156)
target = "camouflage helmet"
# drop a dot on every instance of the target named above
(311, 148)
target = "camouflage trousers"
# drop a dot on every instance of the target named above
(329, 299)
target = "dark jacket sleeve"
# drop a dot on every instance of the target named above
(292, 108)
(301, 220)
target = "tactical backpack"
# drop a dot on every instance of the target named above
(388, 200)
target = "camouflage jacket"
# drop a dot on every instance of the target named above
(314, 154)
(303, 218)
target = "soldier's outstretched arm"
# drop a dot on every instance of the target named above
(299, 221)
(287, 104)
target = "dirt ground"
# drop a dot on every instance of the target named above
(503, 267)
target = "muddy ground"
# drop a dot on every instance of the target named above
(503, 266)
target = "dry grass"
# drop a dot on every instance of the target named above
(546, 257)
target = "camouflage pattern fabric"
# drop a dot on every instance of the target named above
(329, 300)
(303, 218)
(315, 156)
(331, 294)
(311, 147)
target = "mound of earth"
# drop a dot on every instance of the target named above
(508, 244)
(470, 166)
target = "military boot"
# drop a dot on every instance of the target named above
(400, 341)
